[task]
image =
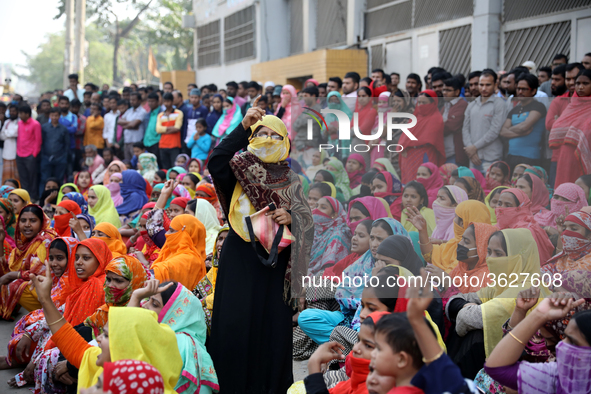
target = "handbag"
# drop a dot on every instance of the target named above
(272, 236)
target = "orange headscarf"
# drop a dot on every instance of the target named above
(114, 242)
(129, 268)
(182, 257)
(482, 233)
(68, 282)
(84, 301)
(107, 177)
(471, 211)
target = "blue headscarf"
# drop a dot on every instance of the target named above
(5, 191)
(349, 298)
(79, 199)
(133, 191)
(89, 219)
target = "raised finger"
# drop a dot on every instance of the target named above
(161, 289)
(256, 101)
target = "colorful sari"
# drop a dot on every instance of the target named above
(433, 183)
(332, 120)
(576, 200)
(540, 196)
(149, 163)
(474, 187)
(522, 217)
(129, 268)
(429, 145)
(184, 314)
(229, 120)
(27, 258)
(332, 238)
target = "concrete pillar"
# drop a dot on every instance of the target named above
(80, 37)
(309, 24)
(486, 34)
(355, 19)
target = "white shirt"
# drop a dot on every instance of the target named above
(351, 101)
(110, 120)
(8, 135)
(70, 94)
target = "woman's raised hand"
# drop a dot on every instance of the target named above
(253, 115)
(150, 288)
(43, 284)
(415, 217)
(168, 187)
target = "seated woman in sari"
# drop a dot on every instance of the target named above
(78, 199)
(492, 200)
(498, 174)
(477, 318)
(332, 237)
(444, 256)
(325, 176)
(472, 187)
(514, 211)
(64, 212)
(536, 192)
(205, 289)
(182, 257)
(444, 209)
(415, 195)
(134, 333)
(359, 245)
(568, 374)
(33, 236)
(177, 307)
(385, 185)
(29, 329)
(144, 247)
(567, 198)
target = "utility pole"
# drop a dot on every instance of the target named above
(69, 50)
(80, 35)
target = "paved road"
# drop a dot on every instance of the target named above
(5, 332)
(300, 368)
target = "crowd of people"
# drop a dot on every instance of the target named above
(233, 227)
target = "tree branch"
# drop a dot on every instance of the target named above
(134, 22)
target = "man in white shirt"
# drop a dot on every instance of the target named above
(9, 134)
(74, 92)
(350, 86)
(132, 123)
(110, 128)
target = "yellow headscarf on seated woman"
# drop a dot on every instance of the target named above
(135, 334)
(519, 267)
(493, 215)
(268, 151)
(104, 210)
(23, 194)
(471, 211)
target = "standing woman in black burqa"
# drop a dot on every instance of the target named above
(251, 335)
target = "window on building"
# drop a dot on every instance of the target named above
(239, 35)
(208, 48)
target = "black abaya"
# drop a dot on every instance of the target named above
(251, 335)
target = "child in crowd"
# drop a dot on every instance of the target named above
(138, 149)
(201, 141)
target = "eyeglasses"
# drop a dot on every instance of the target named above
(275, 137)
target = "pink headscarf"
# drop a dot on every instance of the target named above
(374, 206)
(576, 200)
(433, 183)
(540, 197)
(444, 216)
(522, 217)
(315, 82)
(292, 110)
(115, 189)
(481, 179)
(228, 116)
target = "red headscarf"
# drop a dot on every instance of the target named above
(540, 196)
(89, 295)
(433, 183)
(181, 202)
(521, 217)
(62, 222)
(355, 176)
(394, 187)
(68, 282)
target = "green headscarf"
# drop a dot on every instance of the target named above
(61, 194)
(341, 177)
(178, 170)
(343, 145)
(465, 171)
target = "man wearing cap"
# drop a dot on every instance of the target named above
(194, 111)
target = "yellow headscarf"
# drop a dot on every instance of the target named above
(498, 301)
(333, 189)
(471, 211)
(268, 151)
(104, 210)
(135, 334)
(23, 194)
